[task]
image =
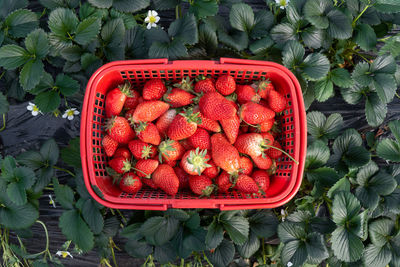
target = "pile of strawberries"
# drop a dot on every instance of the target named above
(206, 135)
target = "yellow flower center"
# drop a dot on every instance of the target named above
(152, 19)
(64, 254)
(35, 108)
(283, 3)
(70, 113)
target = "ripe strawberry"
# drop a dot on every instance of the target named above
(231, 128)
(224, 154)
(148, 133)
(268, 138)
(133, 100)
(262, 179)
(110, 145)
(149, 111)
(115, 100)
(200, 139)
(244, 128)
(262, 162)
(182, 176)
(170, 150)
(171, 163)
(254, 113)
(216, 107)
(263, 103)
(204, 85)
(276, 101)
(187, 145)
(263, 87)
(178, 98)
(120, 165)
(123, 152)
(153, 89)
(265, 126)
(201, 185)
(223, 182)
(165, 120)
(246, 93)
(246, 165)
(251, 144)
(274, 153)
(145, 167)
(225, 85)
(118, 128)
(206, 123)
(149, 182)
(130, 183)
(194, 161)
(165, 178)
(211, 172)
(246, 184)
(141, 150)
(274, 167)
(184, 125)
(129, 114)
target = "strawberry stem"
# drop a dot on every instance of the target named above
(281, 150)
(147, 175)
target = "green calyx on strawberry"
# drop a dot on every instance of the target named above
(126, 89)
(191, 116)
(140, 127)
(164, 147)
(147, 152)
(262, 86)
(186, 84)
(198, 160)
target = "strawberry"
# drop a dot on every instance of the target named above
(251, 144)
(204, 85)
(171, 163)
(265, 126)
(200, 139)
(246, 165)
(262, 162)
(244, 128)
(123, 152)
(263, 87)
(130, 183)
(224, 154)
(210, 125)
(178, 98)
(187, 145)
(225, 85)
(165, 178)
(263, 103)
(186, 84)
(120, 165)
(118, 128)
(153, 89)
(194, 161)
(268, 138)
(211, 172)
(274, 153)
(246, 93)
(165, 120)
(246, 184)
(276, 101)
(110, 145)
(129, 114)
(141, 150)
(231, 128)
(216, 107)
(262, 180)
(149, 182)
(133, 100)
(223, 182)
(170, 150)
(182, 176)
(115, 100)
(274, 167)
(184, 125)
(201, 185)
(149, 111)
(145, 167)
(148, 133)
(254, 113)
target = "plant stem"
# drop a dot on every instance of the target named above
(4, 123)
(263, 251)
(47, 237)
(397, 95)
(112, 252)
(122, 217)
(182, 263)
(64, 170)
(178, 11)
(207, 260)
(359, 15)
(284, 152)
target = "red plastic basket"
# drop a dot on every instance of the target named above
(284, 184)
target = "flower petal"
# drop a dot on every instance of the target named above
(147, 19)
(76, 112)
(154, 13)
(35, 113)
(149, 13)
(157, 19)
(29, 108)
(64, 115)
(148, 26)
(70, 117)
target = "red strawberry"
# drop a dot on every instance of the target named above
(263, 103)
(224, 154)
(251, 144)
(184, 125)
(200, 139)
(130, 183)
(145, 167)
(141, 150)
(216, 107)
(153, 89)
(265, 126)
(165, 178)
(204, 85)
(133, 100)
(225, 84)
(110, 145)
(149, 182)
(187, 145)
(171, 163)
(194, 161)
(231, 128)
(206, 123)
(254, 113)
(276, 101)
(263, 87)
(178, 98)
(274, 153)
(223, 182)
(246, 93)
(244, 128)
(182, 176)
(262, 179)
(268, 138)
(120, 165)
(149, 111)
(123, 152)
(211, 172)
(129, 114)
(148, 133)
(246, 165)
(274, 167)
(165, 120)
(115, 100)
(262, 162)
(119, 129)
(170, 150)
(201, 185)
(246, 184)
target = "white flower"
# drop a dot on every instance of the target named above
(282, 3)
(152, 19)
(51, 201)
(35, 110)
(69, 113)
(284, 215)
(64, 254)
(289, 264)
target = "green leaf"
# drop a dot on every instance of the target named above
(66, 85)
(44, 176)
(237, 228)
(354, 94)
(263, 21)
(130, 6)
(37, 44)
(263, 224)
(31, 159)
(75, 228)
(12, 56)
(9, 6)
(63, 21)
(290, 231)
(380, 230)
(101, 3)
(71, 154)
(165, 253)
(93, 216)
(394, 126)
(249, 247)
(132, 231)
(385, 86)
(208, 38)
(292, 54)
(315, 66)
(237, 40)
(222, 255)
(315, 12)
(365, 37)
(339, 25)
(375, 110)
(342, 185)
(346, 245)
(391, 46)
(48, 101)
(241, 17)
(203, 8)
(138, 249)
(349, 138)
(284, 32)
(359, 74)
(295, 252)
(30, 74)
(324, 128)
(185, 29)
(172, 50)
(341, 77)
(50, 151)
(87, 30)
(317, 155)
(16, 192)
(324, 175)
(46, 82)
(215, 234)
(18, 217)
(21, 22)
(323, 90)
(4, 106)
(377, 256)
(90, 62)
(356, 156)
(387, 6)
(129, 19)
(159, 230)
(345, 207)
(316, 248)
(389, 150)
(113, 32)
(313, 37)
(261, 46)
(64, 195)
